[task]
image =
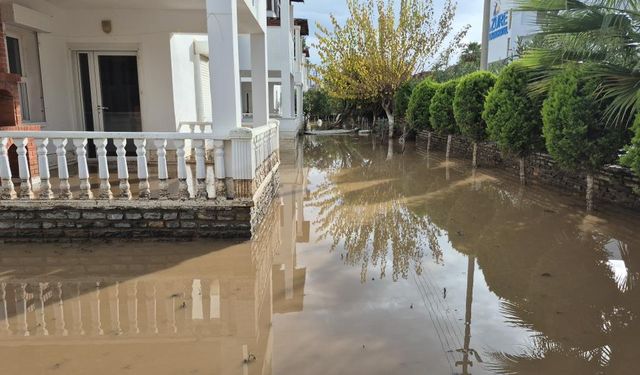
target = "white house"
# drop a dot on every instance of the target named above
(143, 78)
(507, 28)
(144, 65)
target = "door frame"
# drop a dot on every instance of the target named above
(94, 77)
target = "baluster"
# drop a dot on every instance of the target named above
(103, 169)
(5, 326)
(63, 169)
(96, 317)
(7, 190)
(45, 175)
(114, 308)
(58, 313)
(22, 327)
(41, 329)
(143, 172)
(197, 309)
(132, 308)
(123, 169)
(220, 176)
(83, 168)
(183, 186)
(170, 307)
(151, 303)
(201, 170)
(214, 294)
(23, 164)
(163, 174)
(77, 327)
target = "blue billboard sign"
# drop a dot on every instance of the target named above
(499, 25)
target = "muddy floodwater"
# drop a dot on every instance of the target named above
(365, 265)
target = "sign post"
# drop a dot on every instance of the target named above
(484, 60)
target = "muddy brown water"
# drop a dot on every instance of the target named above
(365, 265)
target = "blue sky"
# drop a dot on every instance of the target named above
(469, 13)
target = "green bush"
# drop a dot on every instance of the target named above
(468, 104)
(574, 130)
(632, 156)
(441, 109)
(418, 109)
(512, 115)
(401, 99)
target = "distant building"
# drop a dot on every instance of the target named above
(507, 28)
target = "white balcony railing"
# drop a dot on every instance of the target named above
(252, 150)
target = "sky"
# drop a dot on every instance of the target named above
(318, 11)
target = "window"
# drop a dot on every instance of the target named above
(13, 55)
(15, 67)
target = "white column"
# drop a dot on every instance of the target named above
(259, 79)
(224, 66)
(287, 43)
(299, 97)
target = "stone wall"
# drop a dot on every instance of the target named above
(68, 221)
(20, 222)
(613, 184)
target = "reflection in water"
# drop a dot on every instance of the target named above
(566, 278)
(487, 277)
(360, 206)
(153, 308)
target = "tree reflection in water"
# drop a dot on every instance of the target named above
(361, 206)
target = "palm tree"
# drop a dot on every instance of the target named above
(604, 35)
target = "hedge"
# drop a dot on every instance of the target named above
(468, 104)
(418, 109)
(631, 158)
(401, 99)
(441, 109)
(575, 133)
(512, 114)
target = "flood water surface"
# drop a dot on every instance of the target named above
(365, 265)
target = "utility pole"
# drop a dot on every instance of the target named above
(484, 60)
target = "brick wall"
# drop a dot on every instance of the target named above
(613, 184)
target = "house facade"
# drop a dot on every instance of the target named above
(178, 102)
(140, 65)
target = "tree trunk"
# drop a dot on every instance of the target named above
(386, 105)
(475, 155)
(589, 192)
(449, 137)
(404, 136)
(523, 179)
(428, 142)
(373, 141)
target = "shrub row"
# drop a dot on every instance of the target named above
(568, 122)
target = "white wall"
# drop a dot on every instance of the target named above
(184, 76)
